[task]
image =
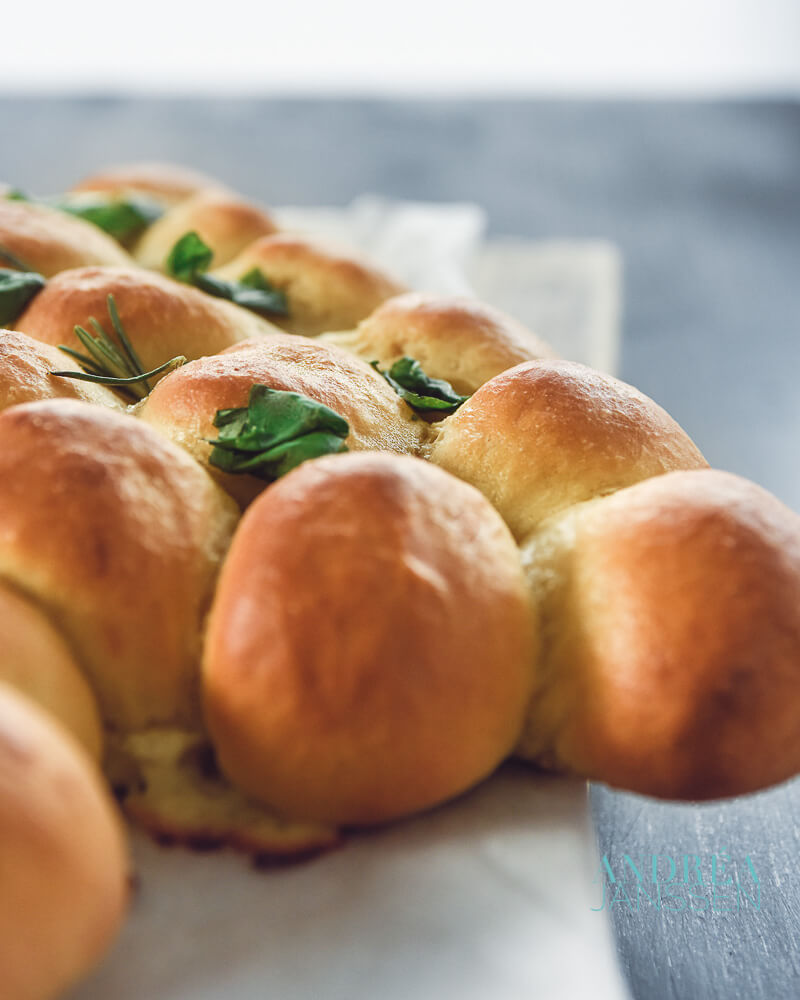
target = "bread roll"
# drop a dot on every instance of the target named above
(672, 660)
(166, 182)
(112, 538)
(35, 659)
(49, 241)
(226, 223)
(326, 288)
(63, 864)
(25, 374)
(183, 405)
(370, 648)
(117, 534)
(457, 339)
(548, 434)
(162, 318)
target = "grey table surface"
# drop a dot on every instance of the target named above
(704, 201)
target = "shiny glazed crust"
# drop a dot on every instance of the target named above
(672, 660)
(370, 649)
(548, 434)
(118, 535)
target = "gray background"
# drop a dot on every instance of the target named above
(704, 201)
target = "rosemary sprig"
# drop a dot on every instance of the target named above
(108, 363)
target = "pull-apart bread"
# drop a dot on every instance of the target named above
(457, 549)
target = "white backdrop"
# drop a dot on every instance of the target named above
(411, 46)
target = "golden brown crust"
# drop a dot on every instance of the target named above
(117, 535)
(326, 288)
(226, 223)
(179, 797)
(184, 404)
(548, 434)
(63, 864)
(677, 664)
(25, 374)
(35, 660)
(162, 318)
(49, 241)
(457, 339)
(370, 646)
(167, 182)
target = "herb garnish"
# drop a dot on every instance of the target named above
(190, 259)
(419, 390)
(17, 288)
(107, 363)
(274, 433)
(123, 218)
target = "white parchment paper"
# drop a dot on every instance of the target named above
(487, 898)
(566, 291)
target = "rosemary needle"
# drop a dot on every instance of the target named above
(123, 383)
